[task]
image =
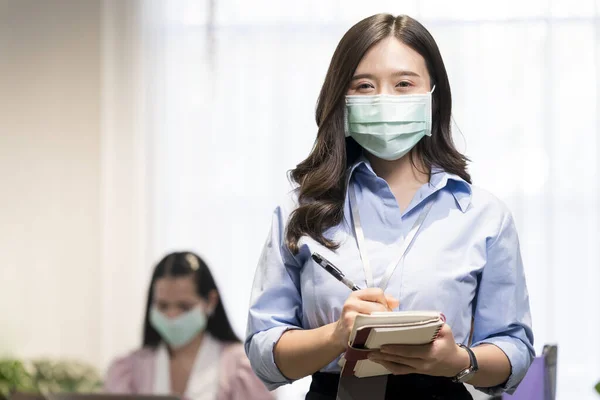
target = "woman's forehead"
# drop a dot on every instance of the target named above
(390, 56)
(178, 287)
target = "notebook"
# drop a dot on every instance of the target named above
(372, 331)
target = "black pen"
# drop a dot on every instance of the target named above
(333, 270)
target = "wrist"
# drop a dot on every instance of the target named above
(333, 341)
(462, 360)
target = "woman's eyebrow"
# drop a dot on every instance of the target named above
(397, 73)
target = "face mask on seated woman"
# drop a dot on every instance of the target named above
(180, 330)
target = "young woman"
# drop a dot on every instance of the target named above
(189, 348)
(384, 173)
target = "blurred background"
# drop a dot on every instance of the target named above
(132, 128)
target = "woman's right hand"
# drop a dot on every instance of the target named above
(363, 301)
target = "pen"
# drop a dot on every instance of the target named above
(333, 270)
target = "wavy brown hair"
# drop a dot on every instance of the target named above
(321, 177)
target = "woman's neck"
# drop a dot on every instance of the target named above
(189, 350)
(403, 178)
(400, 173)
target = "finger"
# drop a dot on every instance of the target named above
(366, 307)
(445, 331)
(422, 351)
(349, 317)
(397, 369)
(415, 363)
(392, 302)
(375, 295)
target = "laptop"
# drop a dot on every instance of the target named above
(88, 396)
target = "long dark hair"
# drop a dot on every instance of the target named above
(182, 265)
(321, 177)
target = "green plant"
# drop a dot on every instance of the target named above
(45, 376)
(598, 387)
(14, 376)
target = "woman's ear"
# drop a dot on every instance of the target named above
(213, 302)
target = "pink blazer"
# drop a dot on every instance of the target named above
(134, 374)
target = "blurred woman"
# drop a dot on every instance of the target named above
(189, 348)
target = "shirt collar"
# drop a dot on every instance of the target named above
(440, 179)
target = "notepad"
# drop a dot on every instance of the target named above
(372, 331)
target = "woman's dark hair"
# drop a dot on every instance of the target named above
(183, 265)
(321, 177)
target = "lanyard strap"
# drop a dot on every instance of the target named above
(362, 245)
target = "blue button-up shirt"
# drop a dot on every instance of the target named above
(465, 262)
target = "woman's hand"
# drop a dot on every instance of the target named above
(363, 301)
(442, 357)
(301, 352)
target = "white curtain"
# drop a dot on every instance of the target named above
(233, 92)
(125, 183)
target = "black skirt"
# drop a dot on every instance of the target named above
(399, 387)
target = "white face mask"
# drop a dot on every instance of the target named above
(180, 330)
(388, 126)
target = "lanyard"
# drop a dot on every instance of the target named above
(362, 248)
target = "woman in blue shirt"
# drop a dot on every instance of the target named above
(384, 172)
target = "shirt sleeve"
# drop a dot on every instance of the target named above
(502, 315)
(242, 383)
(119, 378)
(275, 305)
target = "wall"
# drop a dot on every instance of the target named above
(73, 178)
(50, 171)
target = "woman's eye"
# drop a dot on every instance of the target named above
(186, 307)
(162, 306)
(363, 86)
(404, 84)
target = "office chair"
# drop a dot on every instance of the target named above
(540, 381)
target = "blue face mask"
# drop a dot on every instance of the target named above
(388, 126)
(178, 331)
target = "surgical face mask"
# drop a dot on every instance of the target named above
(388, 126)
(180, 330)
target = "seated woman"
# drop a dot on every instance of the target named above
(189, 347)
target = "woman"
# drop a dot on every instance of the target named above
(383, 166)
(189, 348)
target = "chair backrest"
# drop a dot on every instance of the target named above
(551, 355)
(540, 381)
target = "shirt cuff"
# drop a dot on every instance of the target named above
(519, 357)
(260, 350)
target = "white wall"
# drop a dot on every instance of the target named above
(50, 178)
(73, 271)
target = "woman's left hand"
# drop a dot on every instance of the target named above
(442, 357)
